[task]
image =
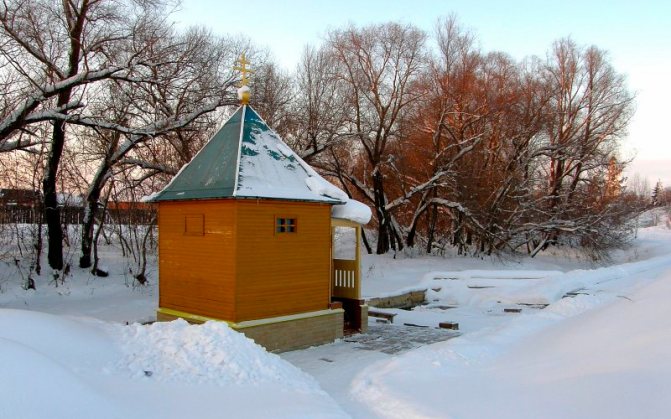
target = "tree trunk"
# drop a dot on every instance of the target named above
(383, 218)
(365, 242)
(38, 244)
(410, 240)
(52, 213)
(94, 268)
(88, 225)
(431, 227)
(141, 275)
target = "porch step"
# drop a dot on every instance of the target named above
(382, 315)
(405, 300)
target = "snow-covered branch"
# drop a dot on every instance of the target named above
(27, 112)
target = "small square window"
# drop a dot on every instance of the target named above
(285, 225)
(194, 224)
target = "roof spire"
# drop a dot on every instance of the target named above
(243, 91)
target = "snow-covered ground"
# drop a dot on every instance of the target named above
(592, 356)
(602, 351)
(67, 367)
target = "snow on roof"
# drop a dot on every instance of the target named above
(268, 168)
(247, 159)
(352, 210)
(149, 198)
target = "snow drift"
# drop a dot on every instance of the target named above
(60, 367)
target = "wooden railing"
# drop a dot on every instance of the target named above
(346, 278)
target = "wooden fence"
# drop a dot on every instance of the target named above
(15, 214)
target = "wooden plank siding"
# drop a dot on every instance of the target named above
(282, 273)
(197, 268)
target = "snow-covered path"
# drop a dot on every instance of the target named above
(605, 352)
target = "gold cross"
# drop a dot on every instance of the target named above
(243, 69)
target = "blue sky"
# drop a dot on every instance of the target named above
(637, 35)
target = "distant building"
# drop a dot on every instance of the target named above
(19, 197)
(19, 206)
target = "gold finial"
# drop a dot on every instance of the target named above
(243, 69)
(243, 91)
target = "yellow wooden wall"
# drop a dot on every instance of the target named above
(280, 274)
(197, 270)
(236, 267)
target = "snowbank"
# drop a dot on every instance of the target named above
(211, 353)
(60, 367)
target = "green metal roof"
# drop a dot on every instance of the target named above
(247, 159)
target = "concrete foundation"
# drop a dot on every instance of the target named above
(280, 334)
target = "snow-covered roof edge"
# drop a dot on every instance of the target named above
(237, 161)
(352, 210)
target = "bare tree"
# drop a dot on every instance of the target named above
(134, 226)
(60, 61)
(319, 109)
(639, 185)
(53, 51)
(589, 110)
(273, 96)
(197, 81)
(376, 70)
(440, 123)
